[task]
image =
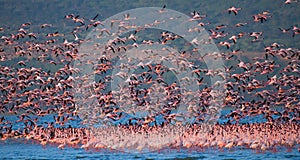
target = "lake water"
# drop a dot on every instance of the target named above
(17, 149)
(20, 149)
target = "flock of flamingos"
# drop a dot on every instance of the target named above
(37, 82)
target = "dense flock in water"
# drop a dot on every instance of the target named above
(38, 75)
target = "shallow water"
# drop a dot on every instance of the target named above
(16, 149)
(21, 149)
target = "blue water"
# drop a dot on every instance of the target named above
(19, 150)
